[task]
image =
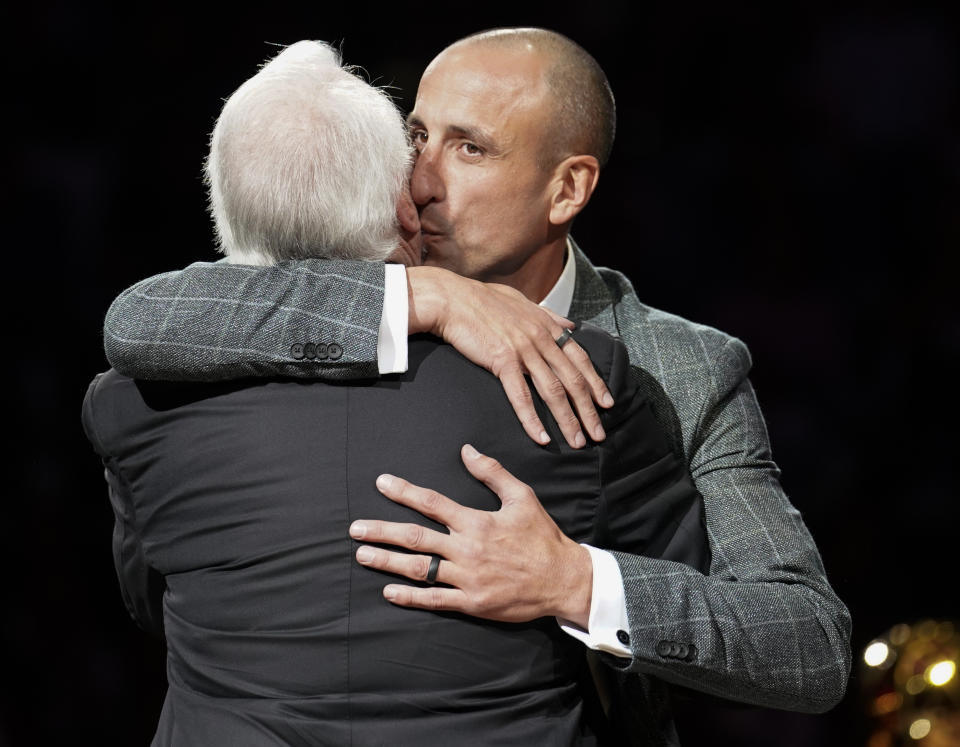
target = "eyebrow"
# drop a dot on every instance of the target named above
(474, 134)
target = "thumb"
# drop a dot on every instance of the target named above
(493, 474)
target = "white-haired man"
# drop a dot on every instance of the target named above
(232, 501)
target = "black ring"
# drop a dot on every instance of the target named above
(432, 570)
(562, 339)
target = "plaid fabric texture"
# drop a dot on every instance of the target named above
(767, 627)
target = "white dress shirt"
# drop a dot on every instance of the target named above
(608, 605)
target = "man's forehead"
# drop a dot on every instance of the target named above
(482, 82)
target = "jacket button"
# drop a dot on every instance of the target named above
(663, 648)
(334, 351)
(296, 351)
(624, 637)
(310, 351)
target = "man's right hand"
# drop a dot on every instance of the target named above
(498, 328)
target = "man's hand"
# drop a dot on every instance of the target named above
(498, 328)
(512, 565)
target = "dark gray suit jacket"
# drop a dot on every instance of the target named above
(232, 504)
(767, 625)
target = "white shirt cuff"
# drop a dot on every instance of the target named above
(392, 338)
(608, 609)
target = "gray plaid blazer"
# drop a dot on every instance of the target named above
(764, 627)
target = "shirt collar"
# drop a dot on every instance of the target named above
(560, 297)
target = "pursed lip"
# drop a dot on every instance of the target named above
(427, 227)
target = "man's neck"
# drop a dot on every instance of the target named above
(539, 273)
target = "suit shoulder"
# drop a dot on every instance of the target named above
(99, 402)
(669, 334)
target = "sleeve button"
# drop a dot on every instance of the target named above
(296, 351)
(334, 351)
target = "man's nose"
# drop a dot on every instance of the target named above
(426, 182)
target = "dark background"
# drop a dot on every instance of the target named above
(788, 174)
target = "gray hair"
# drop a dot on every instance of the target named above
(307, 160)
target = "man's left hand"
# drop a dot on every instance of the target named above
(511, 565)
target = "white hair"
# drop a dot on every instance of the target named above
(307, 160)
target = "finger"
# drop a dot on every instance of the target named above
(553, 392)
(581, 361)
(414, 567)
(518, 393)
(561, 320)
(432, 598)
(579, 390)
(494, 475)
(430, 503)
(576, 384)
(409, 536)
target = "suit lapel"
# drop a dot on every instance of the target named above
(592, 298)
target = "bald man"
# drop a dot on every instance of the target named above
(512, 128)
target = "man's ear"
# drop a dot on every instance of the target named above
(407, 213)
(575, 179)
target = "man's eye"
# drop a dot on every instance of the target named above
(471, 149)
(418, 137)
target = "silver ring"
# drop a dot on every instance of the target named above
(562, 339)
(433, 569)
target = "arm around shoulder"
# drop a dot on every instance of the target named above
(214, 321)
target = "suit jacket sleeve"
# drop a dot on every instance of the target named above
(764, 626)
(216, 321)
(141, 586)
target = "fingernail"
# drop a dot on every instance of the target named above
(544, 438)
(389, 593)
(607, 400)
(358, 530)
(365, 554)
(579, 440)
(599, 434)
(384, 482)
(471, 452)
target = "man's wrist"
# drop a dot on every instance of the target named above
(427, 299)
(608, 628)
(576, 587)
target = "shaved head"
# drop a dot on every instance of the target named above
(584, 115)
